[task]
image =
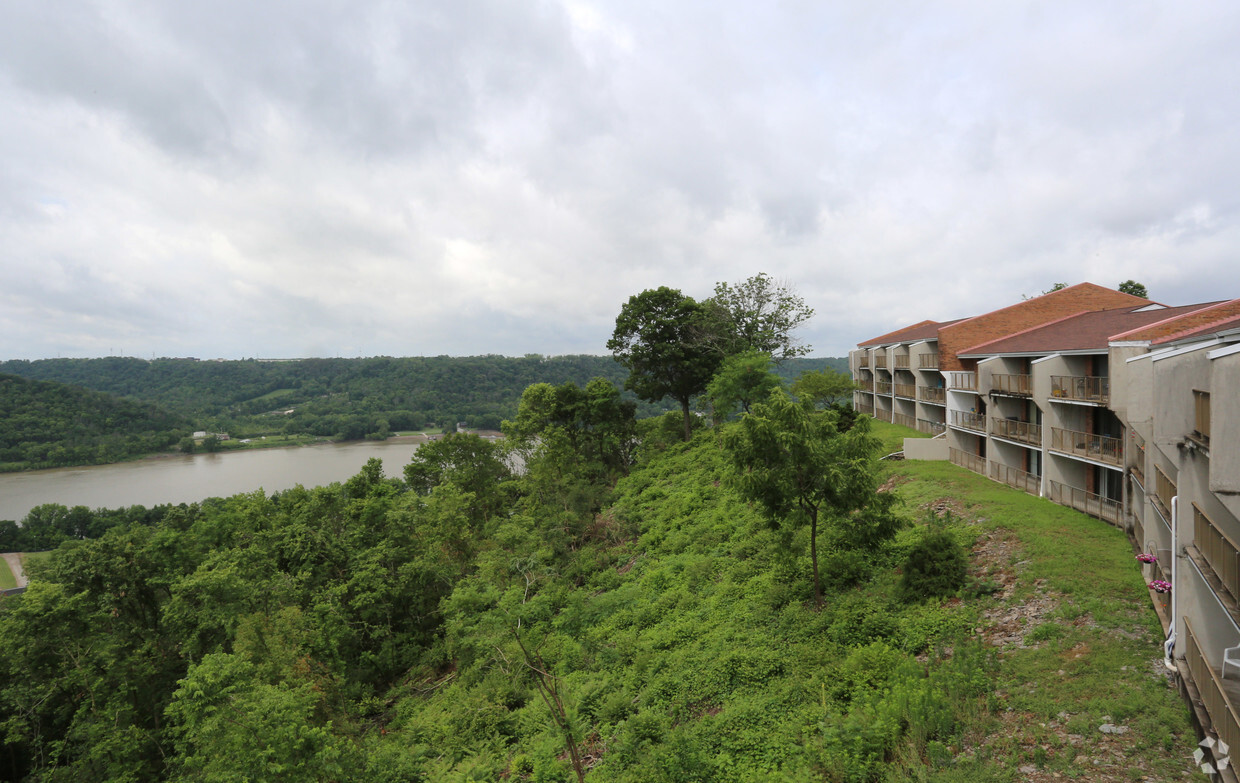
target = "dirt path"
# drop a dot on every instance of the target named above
(15, 565)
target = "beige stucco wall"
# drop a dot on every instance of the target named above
(925, 448)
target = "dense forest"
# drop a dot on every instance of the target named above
(344, 399)
(45, 424)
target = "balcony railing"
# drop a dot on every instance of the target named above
(966, 460)
(1018, 385)
(1083, 444)
(863, 360)
(1016, 478)
(904, 420)
(880, 360)
(928, 361)
(1138, 474)
(969, 420)
(1085, 502)
(1081, 388)
(882, 414)
(1023, 431)
(901, 362)
(1164, 490)
(882, 387)
(931, 427)
(963, 381)
(905, 390)
(935, 394)
(1210, 686)
(866, 409)
(1219, 550)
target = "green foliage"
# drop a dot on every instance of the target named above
(742, 379)
(824, 389)
(1134, 288)
(45, 424)
(658, 337)
(801, 469)
(936, 566)
(758, 315)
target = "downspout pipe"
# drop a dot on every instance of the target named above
(1169, 645)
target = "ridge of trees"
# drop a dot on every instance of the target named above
(345, 399)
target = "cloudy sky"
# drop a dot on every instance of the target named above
(322, 178)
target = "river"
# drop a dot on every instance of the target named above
(190, 478)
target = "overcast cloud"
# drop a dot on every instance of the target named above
(319, 178)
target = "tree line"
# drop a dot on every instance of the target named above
(345, 399)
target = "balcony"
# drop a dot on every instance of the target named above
(934, 394)
(905, 390)
(972, 462)
(882, 414)
(904, 420)
(1219, 550)
(1020, 431)
(1164, 491)
(882, 387)
(969, 420)
(1212, 689)
(1138, 474)
(962, 381)
(928, 361)
(931, 427)
(1013, 477)
(1012, 385)
(1085, 502)
(863, 361)
(868, 410)
(880, 361)
(1083, 444)
(901, 362)
(1081, 388)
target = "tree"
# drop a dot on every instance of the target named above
(595, 427)
(742, 379)
(758, 314)
(801, 469)
(472, 464)
(658, 337)
(824, 389)
(1134, 288)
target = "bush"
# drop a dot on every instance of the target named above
(936, 566)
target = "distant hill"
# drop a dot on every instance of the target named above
(342, 397)
(45, 424)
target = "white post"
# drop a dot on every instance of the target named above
(1169, 645)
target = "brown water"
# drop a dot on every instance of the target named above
(190, 478)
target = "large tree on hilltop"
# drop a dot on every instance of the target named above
(658, 337)
(758, 314)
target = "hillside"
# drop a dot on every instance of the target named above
(348, 397)
(47, 424)
(464, 625)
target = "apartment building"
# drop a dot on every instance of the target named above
(1125, 409)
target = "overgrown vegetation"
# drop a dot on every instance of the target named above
(399, 630)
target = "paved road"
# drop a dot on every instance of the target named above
(15, 565)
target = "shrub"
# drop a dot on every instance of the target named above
(936, 566)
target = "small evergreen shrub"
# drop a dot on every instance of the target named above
(935, 567)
